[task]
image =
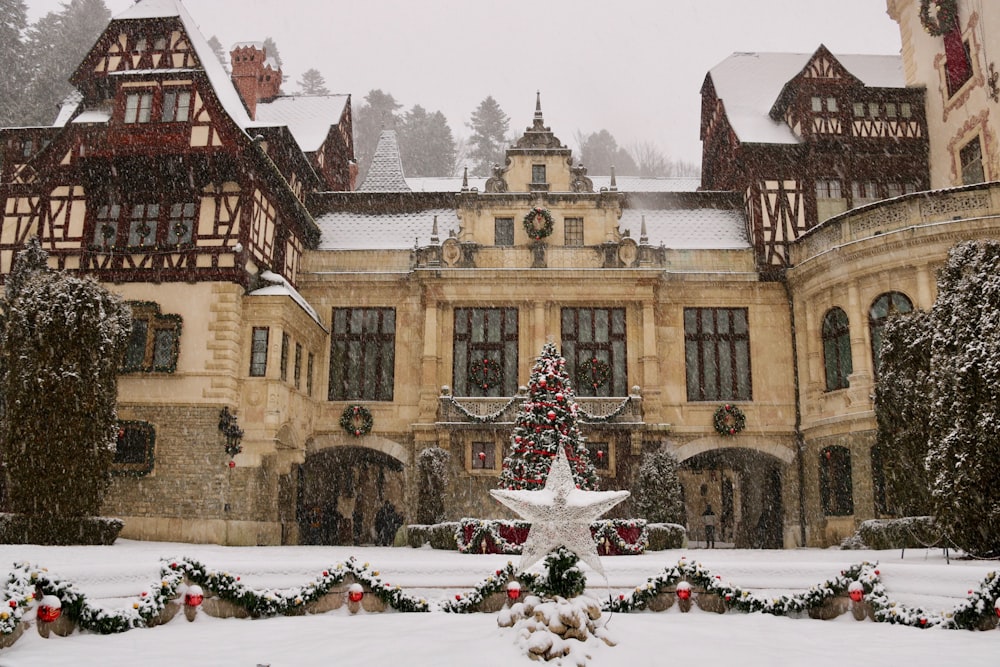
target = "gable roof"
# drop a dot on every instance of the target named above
(308, 117)
(386, 171)
(749, 84)
(224, 89)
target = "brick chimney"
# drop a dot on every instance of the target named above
(256, 77)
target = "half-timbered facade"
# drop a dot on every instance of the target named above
(805, 137)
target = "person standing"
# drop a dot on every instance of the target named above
(708, 519)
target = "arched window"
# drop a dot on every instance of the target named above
(836, 349)
(835, 487)
(886, 305)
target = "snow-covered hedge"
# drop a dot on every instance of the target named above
(906, 533)
(27, 529)
(663, 536)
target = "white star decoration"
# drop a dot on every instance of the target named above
(560, 515)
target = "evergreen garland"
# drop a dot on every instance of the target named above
(562, 577)
(729, 420)
(356, 420)
(535, 216)
(485, 374)
(947, 17)
(482, 419)
(593, 373)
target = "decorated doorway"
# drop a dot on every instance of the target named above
(349, 495)
(742, 488)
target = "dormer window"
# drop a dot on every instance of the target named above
(538, 173)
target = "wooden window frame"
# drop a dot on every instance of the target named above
(472, 344)
(970, 160)
(362, 340)
(503, 231)
(582, 343)
(573, 232)
(837, 361)
(130, 431)
(701, 335)
(259, 338)
(158, 331)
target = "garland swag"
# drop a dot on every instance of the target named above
(946, 19)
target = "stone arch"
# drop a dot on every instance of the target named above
(746, 484)
(350, 491)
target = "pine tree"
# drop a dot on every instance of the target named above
(54, 47)
(489, 137)
(546, 421)
(426, 146)
(964, 445)
(312, 83)
(656, 494)
(599, 152)
(902, 412)
(219, 52)
(13, 22)
(59, 428)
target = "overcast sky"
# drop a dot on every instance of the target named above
(633, 67)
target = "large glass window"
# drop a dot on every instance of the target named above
(485, 359)
(362, 354)
(176, 105)
(142, 225)
(181, 224)
(154, 343)
(883, 307)
(138, 107)
(593, 344)
(835, 486)
(258, 352)
(717, 354)
(836, 349)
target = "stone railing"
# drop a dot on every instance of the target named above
(503, 409)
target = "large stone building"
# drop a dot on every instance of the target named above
(348, 330)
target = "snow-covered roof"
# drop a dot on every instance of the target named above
(93, 116)
(623, 183)
(342, 230)
(67, 107)
(282, 287)
(749, 83)
(214, 70)
(308, 117)
(688, 228)
(386, 171)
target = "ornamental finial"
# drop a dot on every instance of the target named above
(538, 104)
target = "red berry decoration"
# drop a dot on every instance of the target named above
(551, 415)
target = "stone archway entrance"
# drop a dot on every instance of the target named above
(342, 496)
(743, 486)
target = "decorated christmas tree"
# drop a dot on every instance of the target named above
(546, 421)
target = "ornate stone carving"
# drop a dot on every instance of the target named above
(957, 203)
(497, 182)
(579, 181)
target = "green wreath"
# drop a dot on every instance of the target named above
(729, 420)
(485, 374)
(594, 373)
(356, 420)
(947, 17)
(538, 215)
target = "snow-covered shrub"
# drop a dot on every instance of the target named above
(61, 342)
(664, 536)
(417, 535)
(656, 494)
(432, 468)
(963, 456)
(442, 535)
(905, 533)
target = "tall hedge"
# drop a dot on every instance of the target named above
(62, 341)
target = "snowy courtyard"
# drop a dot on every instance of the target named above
(115, 577)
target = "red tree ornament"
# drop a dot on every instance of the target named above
(355, 593)
(513, 590)
(684, 591)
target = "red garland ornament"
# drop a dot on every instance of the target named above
(49, 609)
(194, 596)
(593, 373)
(485, 374)
(513, 590)
(684, 591)
(551, 415)
(355, 593)
(856, 591)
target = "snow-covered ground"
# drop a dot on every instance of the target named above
(113, 576)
